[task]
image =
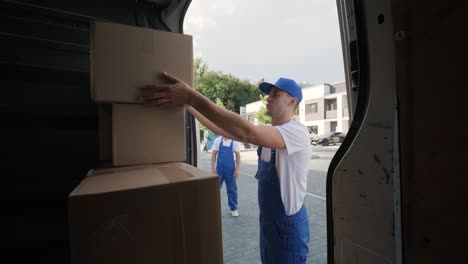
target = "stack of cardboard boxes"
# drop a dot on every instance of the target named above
(149, 206)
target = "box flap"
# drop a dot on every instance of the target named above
(135, 177)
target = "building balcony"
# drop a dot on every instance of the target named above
(331, 114)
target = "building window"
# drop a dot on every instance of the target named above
(311, 108)
(251, 118)
(330, 105)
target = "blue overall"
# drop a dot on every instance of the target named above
(283, 238)
(225, 168)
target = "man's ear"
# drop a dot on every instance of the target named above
(294, 100)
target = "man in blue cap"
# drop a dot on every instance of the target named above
(284, 155)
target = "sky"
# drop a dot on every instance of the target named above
(255, 39)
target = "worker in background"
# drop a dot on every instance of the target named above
(223, 163)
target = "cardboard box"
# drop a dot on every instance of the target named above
(146, 135)
(105, 132)
(124, 58)
(164, 213)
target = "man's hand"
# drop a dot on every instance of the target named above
(177, 93)
(236, 174)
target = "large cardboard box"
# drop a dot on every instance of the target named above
(124, 58)
(164, 213)
(146, 135)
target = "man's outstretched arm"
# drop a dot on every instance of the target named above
(240, 129)
(208, 123)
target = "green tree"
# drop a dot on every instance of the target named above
(199, 68)
(224, 89)
(261, 115)
(232, 91)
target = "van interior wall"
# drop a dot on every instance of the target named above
(431, 54)
(49, 134)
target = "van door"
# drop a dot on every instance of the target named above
(363, 178)
(396, 190)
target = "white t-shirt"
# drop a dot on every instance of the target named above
(226, 143)
(292, 165)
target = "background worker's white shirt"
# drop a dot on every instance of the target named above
(226, 143)
(292, 165)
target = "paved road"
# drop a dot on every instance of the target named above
(240, 235)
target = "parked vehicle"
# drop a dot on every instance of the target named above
(313, 137)
(328, 138)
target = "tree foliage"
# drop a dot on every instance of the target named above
(231, 91)
(261, 115)
(225, 90)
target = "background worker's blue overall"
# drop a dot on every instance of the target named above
(225, 168)
(283, 238)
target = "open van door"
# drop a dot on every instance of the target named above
(396, 189)
(363, 179)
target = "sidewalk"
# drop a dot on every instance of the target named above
(241, 234)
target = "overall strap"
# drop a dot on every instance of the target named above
(232, 144)
(259, 151)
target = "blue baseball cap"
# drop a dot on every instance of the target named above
(287, 85)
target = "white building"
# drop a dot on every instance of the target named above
(324, 108)
(250, 111)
